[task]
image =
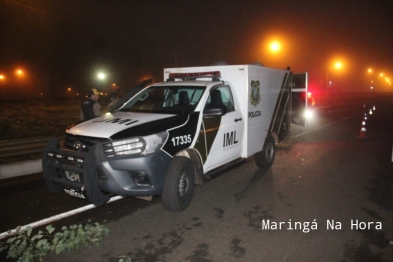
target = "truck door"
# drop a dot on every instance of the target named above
(299, 99)
(224, 127)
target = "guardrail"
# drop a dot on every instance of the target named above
(20, 147)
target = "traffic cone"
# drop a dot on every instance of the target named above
(362, 133)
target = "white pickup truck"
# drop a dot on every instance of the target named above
(167, 137)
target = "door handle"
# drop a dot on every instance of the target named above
(238, 119)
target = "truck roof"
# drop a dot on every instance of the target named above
(189, 83)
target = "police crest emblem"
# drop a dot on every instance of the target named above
(255, 96)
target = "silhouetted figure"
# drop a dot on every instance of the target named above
(90, 108)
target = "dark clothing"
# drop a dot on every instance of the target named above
(112, 104)
(89, 109)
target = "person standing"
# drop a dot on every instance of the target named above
(90, 108)
(114, 100)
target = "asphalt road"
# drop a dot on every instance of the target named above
(328, 177)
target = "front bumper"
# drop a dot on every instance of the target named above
(126, 176)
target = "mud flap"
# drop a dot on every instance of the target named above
(146, 198)
(50, 171)
(91, 181)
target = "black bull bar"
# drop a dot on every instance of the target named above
(54, 159)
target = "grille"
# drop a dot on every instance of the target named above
(81, 143)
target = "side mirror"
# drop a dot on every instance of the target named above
(143, 97)
(216, 111)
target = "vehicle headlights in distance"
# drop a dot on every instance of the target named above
(309, 114)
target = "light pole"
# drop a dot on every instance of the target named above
(372, 87)
(19, 74)
(327, 82)
(2, 84)
(336, 66)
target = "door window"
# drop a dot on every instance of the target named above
(221, 96)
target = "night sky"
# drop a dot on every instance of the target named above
(65, 43)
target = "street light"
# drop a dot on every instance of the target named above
(273, 51)
(387, 79)
(19, 72)
(337, 66)
(17, 82)
(101, 76)
(275, 47)
(379, 78)
(370, 71)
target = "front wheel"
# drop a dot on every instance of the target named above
(265, 158)
(178, 184)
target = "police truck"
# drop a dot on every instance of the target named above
(164, 138)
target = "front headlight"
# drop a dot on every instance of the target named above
(139, 145)
(154, 141)
(130, 146)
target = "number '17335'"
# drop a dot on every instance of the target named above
(181, 140)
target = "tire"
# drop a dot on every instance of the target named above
(265, 158)
(50, 171)
(178, 184)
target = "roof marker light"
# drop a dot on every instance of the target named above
(215, 75)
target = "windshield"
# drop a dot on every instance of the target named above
(166, 100)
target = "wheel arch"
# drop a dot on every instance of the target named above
(196, 161)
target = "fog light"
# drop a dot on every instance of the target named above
(140, 178)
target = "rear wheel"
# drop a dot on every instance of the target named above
(178, 184)
(265, 158)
